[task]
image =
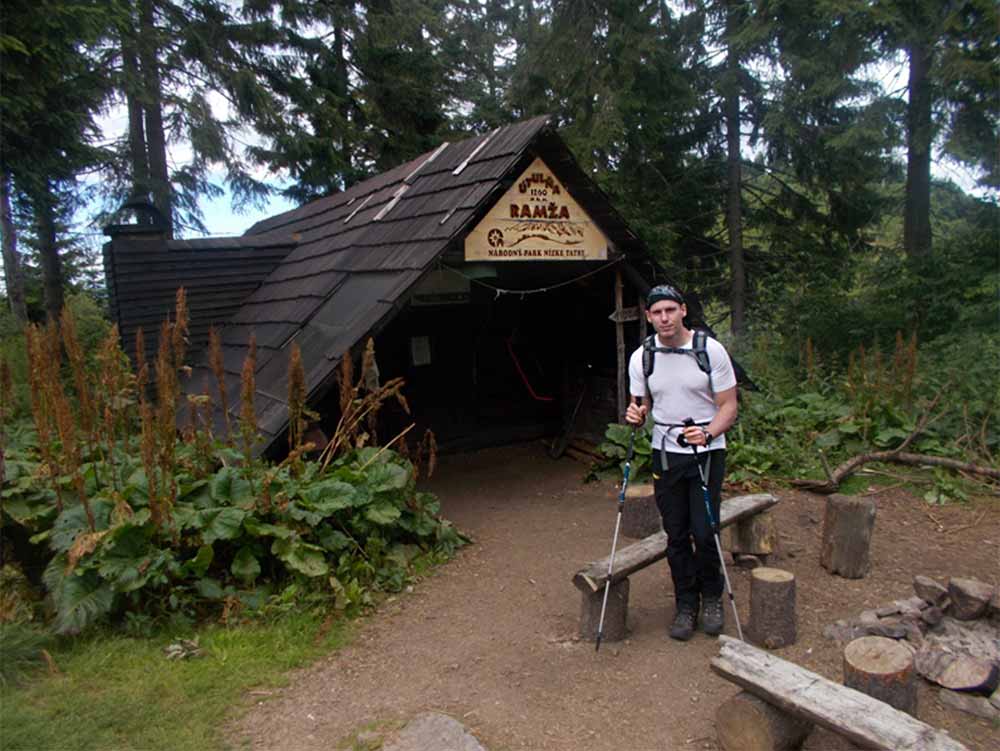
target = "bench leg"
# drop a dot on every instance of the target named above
(615, 628)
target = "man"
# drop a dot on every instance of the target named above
(679, 389)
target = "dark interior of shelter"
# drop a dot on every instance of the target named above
(485, 367)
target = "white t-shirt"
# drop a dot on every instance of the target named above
(680, 390)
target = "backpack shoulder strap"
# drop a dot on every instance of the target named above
(648, 355)
(699, 347)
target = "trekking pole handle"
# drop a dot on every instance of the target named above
(681, 440)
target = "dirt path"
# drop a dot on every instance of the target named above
(490, 638)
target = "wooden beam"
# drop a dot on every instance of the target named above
(650, 549)
(852, 714)
(620, 339)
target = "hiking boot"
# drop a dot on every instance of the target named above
(683, 626)
(712, 616)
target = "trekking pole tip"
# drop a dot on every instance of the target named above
(597, 646)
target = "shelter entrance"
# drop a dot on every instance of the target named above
(485, 365)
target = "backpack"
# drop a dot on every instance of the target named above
(698, 351)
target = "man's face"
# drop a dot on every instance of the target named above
(667, 316)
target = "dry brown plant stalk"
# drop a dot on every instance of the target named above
(70, 448)
(357, 408)
(179, 331)
(167, 389)
(215, 362)
(296, 397)
(41, 371)
(248, 388)
(77, 361)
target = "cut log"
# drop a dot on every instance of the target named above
(847, 535)
(852, 714)
(929, 590)
(757, 535)
(772, 608)
(883, 669)
(748, 723)
(615, 617)
(640, 516)
(650, 549)
(959, 672)
(969, 598)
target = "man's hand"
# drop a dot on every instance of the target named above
(695, 435)
(635, 414)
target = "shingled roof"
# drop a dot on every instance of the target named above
(357, 254)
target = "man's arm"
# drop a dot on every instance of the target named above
(725, 416)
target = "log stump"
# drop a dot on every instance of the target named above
(757, 536)
(748, 723)
(640, 516)
(615, 618)
(847, 536)
(772, 608)
(883, 669)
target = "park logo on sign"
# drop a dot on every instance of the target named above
(536, 220)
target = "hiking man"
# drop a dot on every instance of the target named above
(680, 374)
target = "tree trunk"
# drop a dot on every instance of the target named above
(734, 208)
(343, 95)
(138, 154)
(12, 276)
(52, 276)
(159, 175)
(919, 135)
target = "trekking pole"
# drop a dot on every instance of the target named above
(715, 527)
(614, 540)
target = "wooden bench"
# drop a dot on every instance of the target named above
(789, 688)
(591, 579)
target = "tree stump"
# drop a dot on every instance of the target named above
(847, 536)
(748, 723)
(756, 535)
(615, 617)
(640, 516)
(772, 608)
(883, 669)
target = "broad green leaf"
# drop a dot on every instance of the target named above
(221, 524)
(245, 565)
(329, 496)
(332, 539)
(209, 588)
(80, 598)
(257, 528)
(200, 563)
(73, 520)
(302, 557)
(385, 477)
(228, 485)
(383, 514)
(829, 440)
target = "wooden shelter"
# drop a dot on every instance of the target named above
(493, 273)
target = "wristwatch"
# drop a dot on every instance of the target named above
(708, 438)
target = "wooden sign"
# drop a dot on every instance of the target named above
(627, 314)
(536, 220)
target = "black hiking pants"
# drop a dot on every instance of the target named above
(691, 552)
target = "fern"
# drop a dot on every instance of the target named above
(80, 598)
